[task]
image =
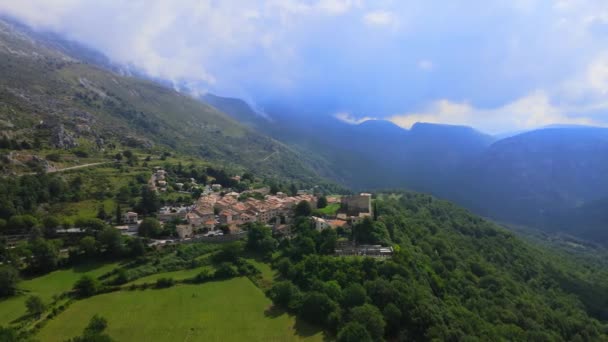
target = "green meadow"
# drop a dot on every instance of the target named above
(231, 310)
(47, 286)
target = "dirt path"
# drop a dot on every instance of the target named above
(70, 168)
(78, 167)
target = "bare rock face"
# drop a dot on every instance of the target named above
(62, 138)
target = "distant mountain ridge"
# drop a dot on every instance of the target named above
(547, 178)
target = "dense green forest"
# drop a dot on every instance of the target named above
(454, 277)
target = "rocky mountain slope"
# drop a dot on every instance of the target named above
(59, 96)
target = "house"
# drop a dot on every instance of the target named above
(226, 216)
(320, 224)
(184, 231)
(179, 186)
(337, 223)
(194, 220)
(130, 217)
(169, 213)
(216, 187)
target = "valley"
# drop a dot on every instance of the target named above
(131, 210)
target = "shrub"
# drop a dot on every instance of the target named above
(86, 286)
(54, 157)
(9, 277)
(225, 270)
(164, 283)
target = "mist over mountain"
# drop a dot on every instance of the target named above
(552, 178)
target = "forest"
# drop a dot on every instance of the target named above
(454, 277)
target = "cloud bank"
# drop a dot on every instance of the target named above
(498, 66)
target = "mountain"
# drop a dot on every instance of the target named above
(374, 153)
(536, 177)
(66, 96)
(237, 109)
(550, 178)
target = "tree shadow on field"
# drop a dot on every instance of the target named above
(305, 329)
(274, 311)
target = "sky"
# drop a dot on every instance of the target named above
(499, 66)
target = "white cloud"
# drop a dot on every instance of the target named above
(350, 119)
(380, 18)
(531, 111)
(554, 52)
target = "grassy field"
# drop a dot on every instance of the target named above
(231, 310)
(46, 287)
(330, 209)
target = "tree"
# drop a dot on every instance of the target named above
(316, 308)
(302, 245)
(50, 224)
(303, 209)
(22, 222)
(7, 208)
(354, 332)
(259, 239)
(88, 246)
(285, 294)
(371, 318)
(293, 190)
(322, 202)
(112, 241)
(149, 227)
(11, 334)
(354, 295)
(94, 332)
(127, 154)
(149, 202)
(90, 224)
(45, 255)
(121, 277)
(392, 316)
(368, 231)
(136, 247)
(86, 286)
(327, 241)
(118, 214)
(225, 270)
(35, 306)
(9, 277)
(101, 213)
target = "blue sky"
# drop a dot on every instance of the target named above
(498, 66)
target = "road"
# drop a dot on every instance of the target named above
(71, 168)
(78, 167)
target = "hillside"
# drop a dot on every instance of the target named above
(540, 178)
(454, 276)
(53, 98)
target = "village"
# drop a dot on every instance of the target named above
(221, 214)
